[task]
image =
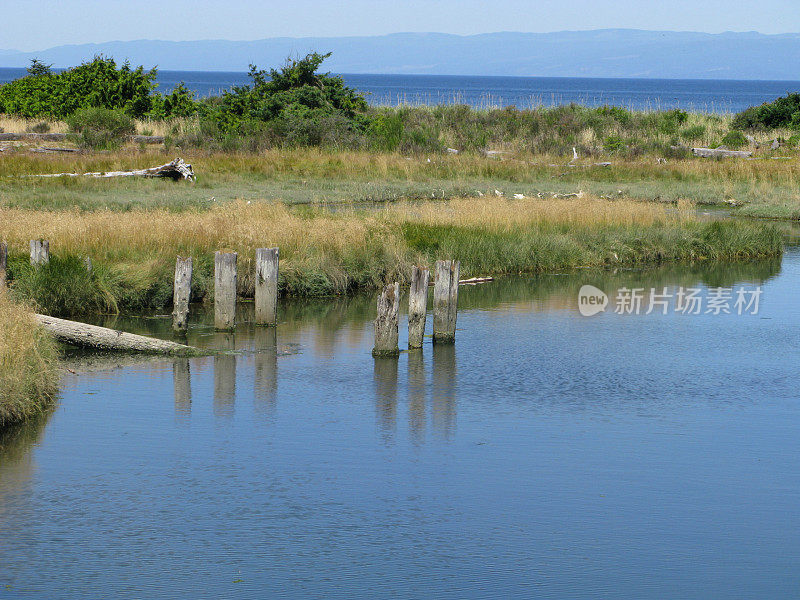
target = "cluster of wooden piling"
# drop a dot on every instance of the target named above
(445, 307)
(225, 282)
(445, 296)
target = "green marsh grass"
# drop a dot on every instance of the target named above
(335, 252)
(28, 364)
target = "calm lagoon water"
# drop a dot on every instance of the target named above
(544, 455)
(706, 95)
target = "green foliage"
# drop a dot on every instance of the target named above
(294, 98)
(101, 127)
(734, 139)
(41, 127)
(180, 102)
(783, 112)
(694, 132)
(39, 69)
(63, 286)
(614, 143)
(98, 83)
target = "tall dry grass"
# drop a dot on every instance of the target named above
(28, 363)
(325, 252)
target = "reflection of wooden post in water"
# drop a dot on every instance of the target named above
(417, 306)
(445, 301)
(417, 390)
(183, 386)
(225, 290)
(224, 376)
(3, 263)
(385, 376)
(40, 252)
(182, 290)
(266, 364)
(444, 389)
(266, 295)
(386, 322)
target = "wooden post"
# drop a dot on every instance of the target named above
(40, 252)
(3, 263)
(88, 262)
(225, 290)
(182, 291)
(417, 306)
(386, 322)
(445, 301)
(266, 299)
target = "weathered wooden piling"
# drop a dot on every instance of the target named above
(445, 301)
(40, 252)
(182, 291)
(386, 322)
(3, 263)
(266, 296)
(225, 290)
(88, 262)
(417, 306)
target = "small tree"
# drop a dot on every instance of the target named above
(39, 69)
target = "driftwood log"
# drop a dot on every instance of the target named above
(60, 137)
(102, 338)
(177, 169)
(719, 152)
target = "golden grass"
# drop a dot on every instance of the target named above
(28, 361)
(244, 226)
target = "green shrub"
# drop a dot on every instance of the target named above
(101, 127)
(694, 132)
(783, 112)
(98, 83)
(41, 127)
(734, 139)
(614, 143)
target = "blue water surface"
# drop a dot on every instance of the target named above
(707, 95)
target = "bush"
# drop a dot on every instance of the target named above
(98, 83)
(734, 140)
(101, 127)
(41, 127)
(783, 112)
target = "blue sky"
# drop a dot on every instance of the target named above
(39, 24)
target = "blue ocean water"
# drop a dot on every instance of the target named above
(706, 95)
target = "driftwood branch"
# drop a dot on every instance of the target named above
(719, 152)
(177, 169)
(102, 338)
(60, 137)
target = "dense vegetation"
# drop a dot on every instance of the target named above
(96, 84)
(28, 360)
(783, 112)
(324, 253)
(296, 106)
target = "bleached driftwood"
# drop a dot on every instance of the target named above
(719, 152)
(60, 137)
(177, 169)
(102, 338)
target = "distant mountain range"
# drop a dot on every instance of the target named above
(599, 53)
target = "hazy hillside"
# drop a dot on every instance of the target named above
(600, 53)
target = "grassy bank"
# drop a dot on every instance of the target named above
(324, 253)
(28, 360)
(317, 176)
